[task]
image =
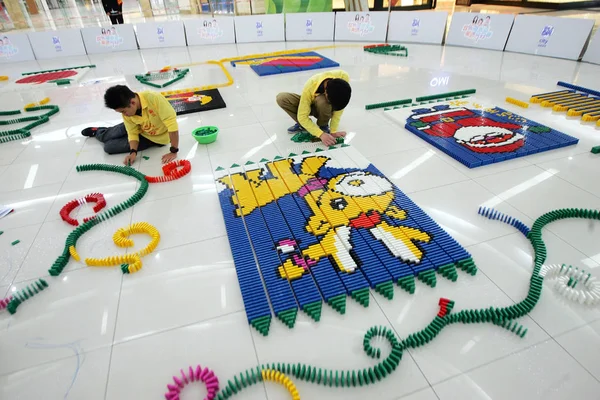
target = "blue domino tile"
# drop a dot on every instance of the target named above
(369, 265)
(533, 142)
(264, 70)
(433, 255)
(324, 274)
(578, 88)
(352, 281)
(251, 287)
(304, 288)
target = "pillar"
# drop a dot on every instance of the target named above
(16, 14)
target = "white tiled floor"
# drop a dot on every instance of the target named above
(96, 333)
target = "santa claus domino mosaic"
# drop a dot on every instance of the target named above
(476, 135)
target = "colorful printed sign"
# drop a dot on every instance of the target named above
(7, 49)
(361, 26)
(479, 29)
(109, 38)
(210, 30)
(484, 31)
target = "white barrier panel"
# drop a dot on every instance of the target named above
(259, 28)
(206, 30)
(54, 44)
(592, 54)
(484, 31)
(109, 39)
(417, 26)
(361, 26)
(309, 26)
(160, 34)
(15, 47)
(549, 36)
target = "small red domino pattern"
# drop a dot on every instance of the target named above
(4, 302)
(443, 307)
(172, 171)
(199, 374)
(47, 76)
(65, 212)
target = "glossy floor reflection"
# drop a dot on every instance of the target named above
(96, 333)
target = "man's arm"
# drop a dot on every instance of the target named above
(304, 112)
(133, 136)
(169, 117)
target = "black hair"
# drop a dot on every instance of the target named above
(338, 93)
(118, 96)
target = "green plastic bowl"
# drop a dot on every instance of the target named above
(205, 134)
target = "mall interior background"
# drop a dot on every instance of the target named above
(39, 15)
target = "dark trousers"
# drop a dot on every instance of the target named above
(116, 142)
(117, 17)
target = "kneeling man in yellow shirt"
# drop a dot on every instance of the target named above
(324, 97)
(148, 120)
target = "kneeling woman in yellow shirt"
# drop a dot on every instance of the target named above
(148, 120)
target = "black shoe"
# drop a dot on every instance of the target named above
(89, 132)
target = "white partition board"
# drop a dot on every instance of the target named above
(160, 34)
(55, 44)
(206, 30)
(549, 36)
(109, 39)
(484, 31)
(259, 28)
(309, 26)
(417, 27)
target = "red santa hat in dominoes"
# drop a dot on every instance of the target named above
(475, 131)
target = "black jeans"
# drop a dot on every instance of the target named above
(116, 142)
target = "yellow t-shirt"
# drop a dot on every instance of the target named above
(308, 96)
(157, 120)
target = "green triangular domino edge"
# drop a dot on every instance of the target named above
(234, 165)
(292, 155)
(345, 145)
(387, 109)
(318, 150)
(277, 158)
(428, 277)
(264, 160)
(288, 317)
(338, 303)
(386, 289)
(362, 296)
(468, 266)
(306, 152)
(249, 162)
(448, 271)
(314, 310)
(219, 168)
(331, 147)
(407, 283)
(262, 324)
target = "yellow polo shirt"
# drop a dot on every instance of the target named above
(308, 96)
(157, 120)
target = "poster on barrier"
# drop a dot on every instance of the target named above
(484, 31)
(15, 47)
(55, 44)
(309, 26)
(109, 39)
(417, 26)
(160, 34)
(549, 36)
(209, 30)
(592, 54)
(361, 26)
(259, 28)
